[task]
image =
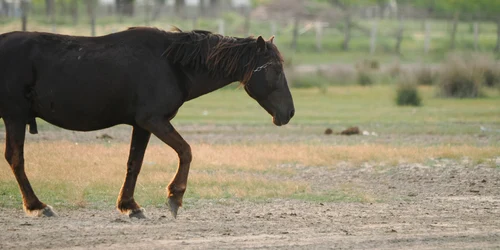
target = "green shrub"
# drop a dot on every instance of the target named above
(365, 77)
(407, 94)
(459, 79)
(491, 77)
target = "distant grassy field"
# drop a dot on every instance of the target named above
(371, 107)
(69, 174)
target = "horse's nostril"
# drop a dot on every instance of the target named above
(292, 113)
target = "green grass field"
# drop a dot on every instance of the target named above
(354, 105)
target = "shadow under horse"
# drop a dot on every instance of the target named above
(139, 77)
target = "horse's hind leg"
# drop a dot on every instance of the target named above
(126, 203)
(14, 153)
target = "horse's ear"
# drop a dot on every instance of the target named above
(271, 39)
(261, 44)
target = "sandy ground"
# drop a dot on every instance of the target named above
(441, 205)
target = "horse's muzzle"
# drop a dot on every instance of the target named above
(278, 120)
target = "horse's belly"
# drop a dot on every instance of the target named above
(82, 113)
(82, 123)
(79, 124)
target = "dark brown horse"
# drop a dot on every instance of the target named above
(139, 77)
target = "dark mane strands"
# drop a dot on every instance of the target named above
(222, 56)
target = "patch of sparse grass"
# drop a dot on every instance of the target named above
(488, 68)
(395, 70)
(425, 75)
(322, 78)
(330, 196)
(310, 81)
(89, 175)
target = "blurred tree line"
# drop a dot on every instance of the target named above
(347, 11)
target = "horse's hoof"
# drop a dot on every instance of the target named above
(48, 212)
(138, 214)
(173, 206)
(44, 212)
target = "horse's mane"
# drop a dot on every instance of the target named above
(222, 56)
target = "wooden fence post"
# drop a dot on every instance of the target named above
(373, 37)
(476, 35)
(221, 26)
(427, 39)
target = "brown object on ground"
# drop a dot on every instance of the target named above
(328, 131)
(350, 131)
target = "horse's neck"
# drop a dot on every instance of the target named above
(201, 84)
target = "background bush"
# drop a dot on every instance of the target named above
(425, 75)
(488, 68)
(407, 92)
(458, 78)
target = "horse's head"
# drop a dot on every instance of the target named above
(268, 85)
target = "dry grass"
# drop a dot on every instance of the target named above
(458, 79)
(488, 68)
(65, 173)
(465, 76)
(425, 75)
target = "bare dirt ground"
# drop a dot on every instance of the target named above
(442, 204)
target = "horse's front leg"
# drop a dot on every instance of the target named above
(126, 203)
(164, 130)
